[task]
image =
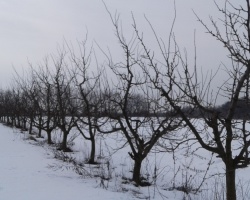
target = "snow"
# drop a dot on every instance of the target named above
(24, 174)
(30, 171)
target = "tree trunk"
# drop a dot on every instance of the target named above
(92, 153)
(24, 124)
(64, 142)
(31, 126)
(230, 182)
(137, 171)
(12, 121)
(39, 132)
(18, 122)
(39, 127)
(49, 140)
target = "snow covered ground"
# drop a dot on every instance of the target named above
(30, 171)
(24, 174)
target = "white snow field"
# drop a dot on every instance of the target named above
(29, 171)
(24, 174)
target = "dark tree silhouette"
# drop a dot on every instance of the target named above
(181, 86)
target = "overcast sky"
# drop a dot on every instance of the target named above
(30, 29)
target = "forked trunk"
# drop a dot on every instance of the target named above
(92, 153)
(137, 171)
(39, 132)
(230, 182)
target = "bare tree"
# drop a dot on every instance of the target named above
(89, 98)
(26, 99)
(140, 130)
(47, 99)
(181, 86)
(64, 92)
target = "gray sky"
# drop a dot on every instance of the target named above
(30, 29)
